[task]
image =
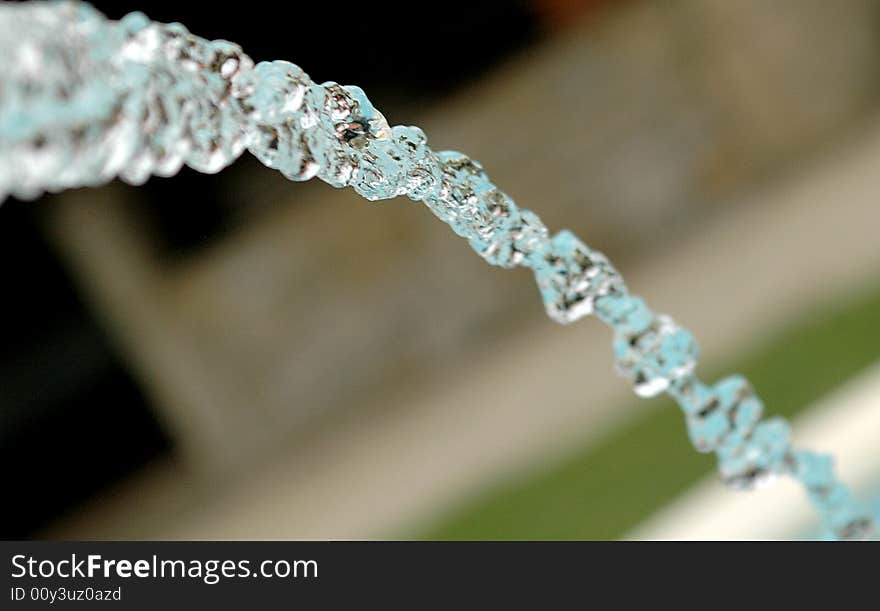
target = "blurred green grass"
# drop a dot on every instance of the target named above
(605, 489)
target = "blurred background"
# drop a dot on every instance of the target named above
(238, 356)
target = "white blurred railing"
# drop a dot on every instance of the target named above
(846, 422)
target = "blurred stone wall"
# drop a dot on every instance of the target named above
(626, 129)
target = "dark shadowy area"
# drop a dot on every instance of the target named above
(71, 418)
(397, 50)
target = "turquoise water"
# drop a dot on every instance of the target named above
(815, 530)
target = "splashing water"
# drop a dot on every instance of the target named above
(84, 99)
